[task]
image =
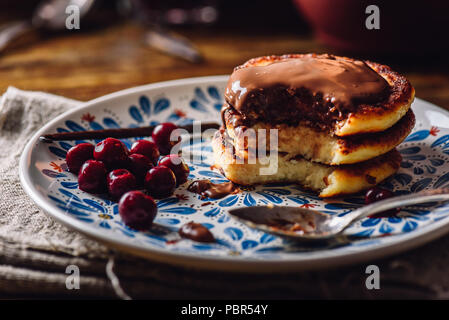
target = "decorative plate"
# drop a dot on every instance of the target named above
(44, 177)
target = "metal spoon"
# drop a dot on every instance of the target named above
(49, 15)
(302, 224)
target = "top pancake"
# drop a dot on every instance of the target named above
(339, 95)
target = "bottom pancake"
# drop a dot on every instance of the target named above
(327, 181)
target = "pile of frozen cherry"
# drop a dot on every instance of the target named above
(110, 167)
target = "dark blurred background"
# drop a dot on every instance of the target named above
(125, 43)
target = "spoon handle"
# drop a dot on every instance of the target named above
(434, 195)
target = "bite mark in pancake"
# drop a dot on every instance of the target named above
(328, 181)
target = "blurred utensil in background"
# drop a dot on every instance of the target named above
(176, 12)
(49, 18)
(172, 44)
(12, 31)
(157, 15)
(50, 15)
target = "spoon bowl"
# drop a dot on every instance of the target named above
(289, 222)
(300, 224)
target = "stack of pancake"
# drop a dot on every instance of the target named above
(336, 123)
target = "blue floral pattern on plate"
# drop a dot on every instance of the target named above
(425, 165)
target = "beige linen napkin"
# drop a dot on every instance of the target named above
(28, 237)
(21, 115)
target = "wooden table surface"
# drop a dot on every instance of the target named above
(84, 66)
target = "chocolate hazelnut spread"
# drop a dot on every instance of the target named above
(287, 219)
(321, 88)
(207, 189)
(306, 225)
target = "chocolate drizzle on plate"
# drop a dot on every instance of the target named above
(207, 189)
(196, 232)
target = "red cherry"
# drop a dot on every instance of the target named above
(161, 136)
(92, 177)
(139, 165)
(77, 155)
(147, 148)
(160, 182)
(112, 152)
(376, 194)
(120, 181)
(178, 166)
(137, 210)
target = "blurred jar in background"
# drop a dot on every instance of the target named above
(412, 27)
(176, 12)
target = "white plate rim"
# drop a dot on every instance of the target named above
(222, 263)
